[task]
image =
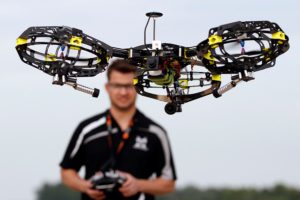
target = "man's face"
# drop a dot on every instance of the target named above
(121, 90)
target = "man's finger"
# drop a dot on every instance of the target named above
(95, 194)
(127, 194)
(127, 183)
(123, 189)
(126, 191)
(100, 198)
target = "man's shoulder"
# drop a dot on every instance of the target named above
(150, 124)
(97, 118)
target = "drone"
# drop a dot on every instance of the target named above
(166, 72)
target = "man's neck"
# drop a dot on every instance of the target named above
(122, 117)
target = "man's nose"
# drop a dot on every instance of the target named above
(123, 90)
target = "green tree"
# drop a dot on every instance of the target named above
(278, 192)
(56, 192)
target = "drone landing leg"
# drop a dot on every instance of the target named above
(243, 76)
(61, 80)
(94, 92)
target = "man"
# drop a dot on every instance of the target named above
(124, 139)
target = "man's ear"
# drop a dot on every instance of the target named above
(106, 87)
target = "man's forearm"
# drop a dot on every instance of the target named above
(157, 186)
(73, 180)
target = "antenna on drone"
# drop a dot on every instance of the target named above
(155, 44)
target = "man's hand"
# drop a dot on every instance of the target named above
(71, 178)
(94, 194)
(130, 187)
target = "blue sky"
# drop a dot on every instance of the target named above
(248, 137)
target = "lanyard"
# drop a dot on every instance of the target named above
(125, 136)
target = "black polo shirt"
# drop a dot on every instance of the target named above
(146, 154)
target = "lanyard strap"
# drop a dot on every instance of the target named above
(125, 136)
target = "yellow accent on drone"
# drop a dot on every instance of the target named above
(214, 39)
(278, 35)
(216, 77)
(50, 57)
(164, 80)
(21, 41)
(208, 56)
(184, 84)
(75, 43)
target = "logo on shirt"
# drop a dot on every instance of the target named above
(141, 143)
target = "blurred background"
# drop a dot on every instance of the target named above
(247, 140)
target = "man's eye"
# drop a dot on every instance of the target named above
(120, 86)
